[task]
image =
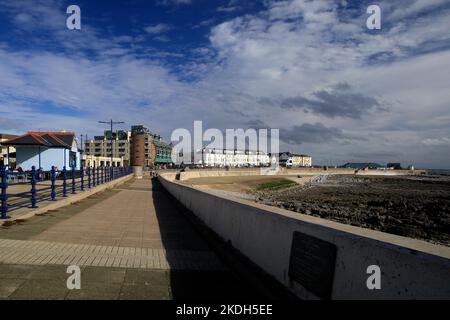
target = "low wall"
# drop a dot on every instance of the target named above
(203, 173)
(410, 269)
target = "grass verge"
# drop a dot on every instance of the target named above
(275, 185)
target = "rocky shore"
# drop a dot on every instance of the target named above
(417, 207)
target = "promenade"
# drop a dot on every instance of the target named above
(130, 242)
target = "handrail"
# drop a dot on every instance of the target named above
(48, 185)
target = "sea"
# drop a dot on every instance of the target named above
(439, 172)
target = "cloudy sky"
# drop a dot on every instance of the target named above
(335, 89)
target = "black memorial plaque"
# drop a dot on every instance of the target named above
(312, 264)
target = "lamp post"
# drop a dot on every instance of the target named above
(111, 139)
(81, 147)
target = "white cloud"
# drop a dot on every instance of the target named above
(253, 63)
(158, 28)
(437, 142)
(173, 2)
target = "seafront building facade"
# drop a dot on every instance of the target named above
(232, 158)
(46, 150)
(101, 146)
(145, 146)
(93, 161)
(7, 153)
(162, 152)
(295, 160)
(153, 150)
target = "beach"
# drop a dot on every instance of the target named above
(416, 207)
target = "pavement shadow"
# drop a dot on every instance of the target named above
(180, 234)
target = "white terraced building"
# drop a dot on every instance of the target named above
(232, 158)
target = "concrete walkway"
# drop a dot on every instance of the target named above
(130, 243)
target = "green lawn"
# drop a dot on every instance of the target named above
(275, 185)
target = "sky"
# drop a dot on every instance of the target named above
(312, 69)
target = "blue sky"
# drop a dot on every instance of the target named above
(336, 90)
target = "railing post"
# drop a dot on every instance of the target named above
(53, 179)
(33, 187)
(38, 175)
(4, 186)
(64, 181)
(94, 183)
(98, 175)
(73, 180)
(89, 176)
(82, 177)
(102, 176)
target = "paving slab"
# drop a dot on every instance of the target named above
(131, 242)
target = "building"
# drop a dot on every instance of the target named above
(101, 146)
(122, 145)
(7, 153)
(93, 161)
(295, 160)
(145, 146)
(362, 165)
(232, 158)
(46, 149)
(394, 166)
(161, 152)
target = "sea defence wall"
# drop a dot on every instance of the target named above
(215, 172)
(320, 259)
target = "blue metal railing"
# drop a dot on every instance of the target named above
(49, 185)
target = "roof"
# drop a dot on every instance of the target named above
(161, 144)
(362, 165)
(294, 154)
(7, 136)
(46, 139)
